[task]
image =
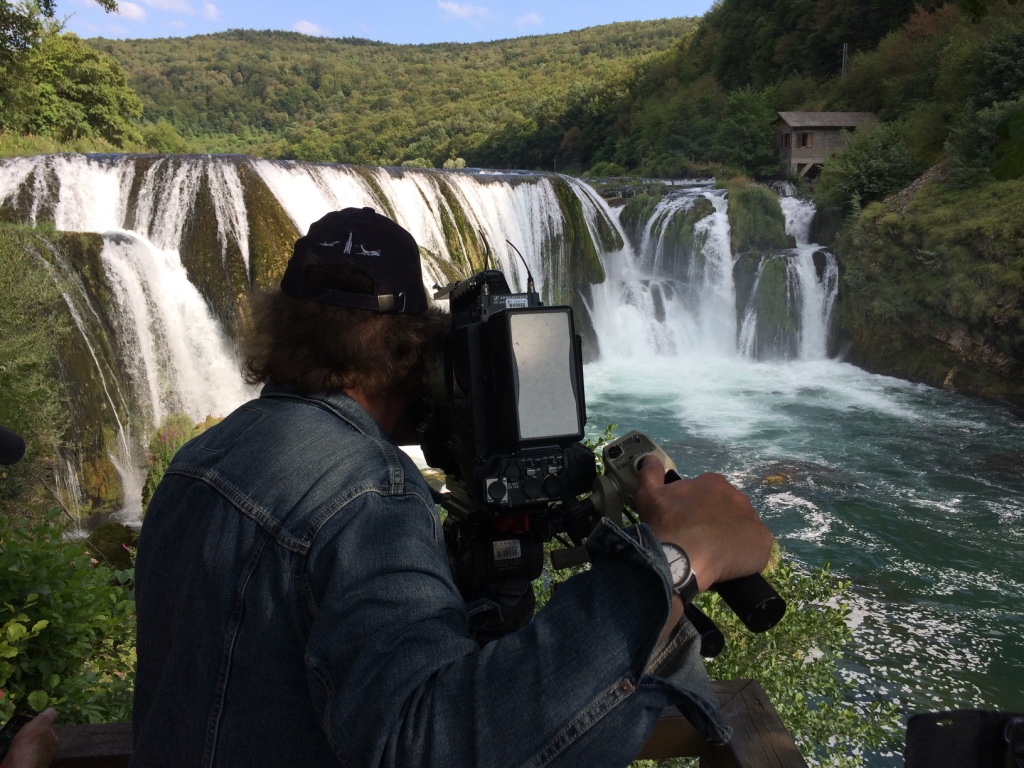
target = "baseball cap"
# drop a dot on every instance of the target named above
(363, 240)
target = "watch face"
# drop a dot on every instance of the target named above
(680, 570)
(678, 563)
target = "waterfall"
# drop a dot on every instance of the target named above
(185, 239)
(816, 285)
(179, 357)
(673, 290)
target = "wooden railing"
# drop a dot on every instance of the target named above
(759, 739)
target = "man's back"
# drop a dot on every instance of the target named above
(224, 602)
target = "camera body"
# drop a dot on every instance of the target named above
(503, 418)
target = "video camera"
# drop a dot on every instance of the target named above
(503, 419)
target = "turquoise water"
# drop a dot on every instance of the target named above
(916, 495)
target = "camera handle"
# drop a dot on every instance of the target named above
(751, 598)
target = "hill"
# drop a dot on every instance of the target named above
(283, 94)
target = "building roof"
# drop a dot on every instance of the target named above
(825, 119)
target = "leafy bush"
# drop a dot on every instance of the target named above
(797, 664)
(176, 430)
(874, 164)
(67, 629)
(604, 170)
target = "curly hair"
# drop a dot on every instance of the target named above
(315, 347)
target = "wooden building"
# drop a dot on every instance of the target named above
(806, 139)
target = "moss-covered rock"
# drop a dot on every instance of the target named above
(272, 234)
(99, 407)
(775, 337)
(756, 220)
(635, 214)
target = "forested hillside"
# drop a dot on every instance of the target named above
(283, 94)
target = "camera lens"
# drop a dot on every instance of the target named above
(614, 452)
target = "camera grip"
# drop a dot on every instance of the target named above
(751, 598)
(754, 600)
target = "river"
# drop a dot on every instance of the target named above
(915, 495)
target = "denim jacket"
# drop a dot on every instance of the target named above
(296, 607)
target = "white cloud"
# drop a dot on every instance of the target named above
(529, 20)
(462, 11)
(308, 28)
(131, 11)
(210, 11)
(179, 6)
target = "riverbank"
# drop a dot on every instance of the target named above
(932, 287)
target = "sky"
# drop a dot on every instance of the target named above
(390, 21)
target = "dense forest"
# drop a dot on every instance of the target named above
(282, 94)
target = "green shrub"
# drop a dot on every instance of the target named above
(176, 430)
(604, 170)
(67, 628)
(874, 164)
(797, 664)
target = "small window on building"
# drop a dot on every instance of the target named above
(785, 140)
(807, 140)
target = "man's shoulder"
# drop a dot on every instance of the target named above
(297, 457)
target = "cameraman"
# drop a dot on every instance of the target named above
(295, 602)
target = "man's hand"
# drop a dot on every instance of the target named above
(709, 518)
(35, 744)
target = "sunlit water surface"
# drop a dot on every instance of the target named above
(916, 495)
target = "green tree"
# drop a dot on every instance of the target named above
(162, 137)
(746, 133)
(797, 664)
(80, 92)
(874, 164)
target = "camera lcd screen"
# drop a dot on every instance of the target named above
(544, 370)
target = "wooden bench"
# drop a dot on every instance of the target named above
(759, 740)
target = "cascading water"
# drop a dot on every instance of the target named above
(850, 470)
(180, 358)
(668, 298)
(816, 286)
(177, 230)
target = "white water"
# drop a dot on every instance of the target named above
(817, 296)
(178, 356)
(497, 209)
(183, 361)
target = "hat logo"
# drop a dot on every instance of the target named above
(348, 245)
(364, 252)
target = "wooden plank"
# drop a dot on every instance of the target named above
(759, 736)
(104, 745)
(759, 740)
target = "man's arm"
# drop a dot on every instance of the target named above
(709, 518)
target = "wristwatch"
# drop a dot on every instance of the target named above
(684, 582)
